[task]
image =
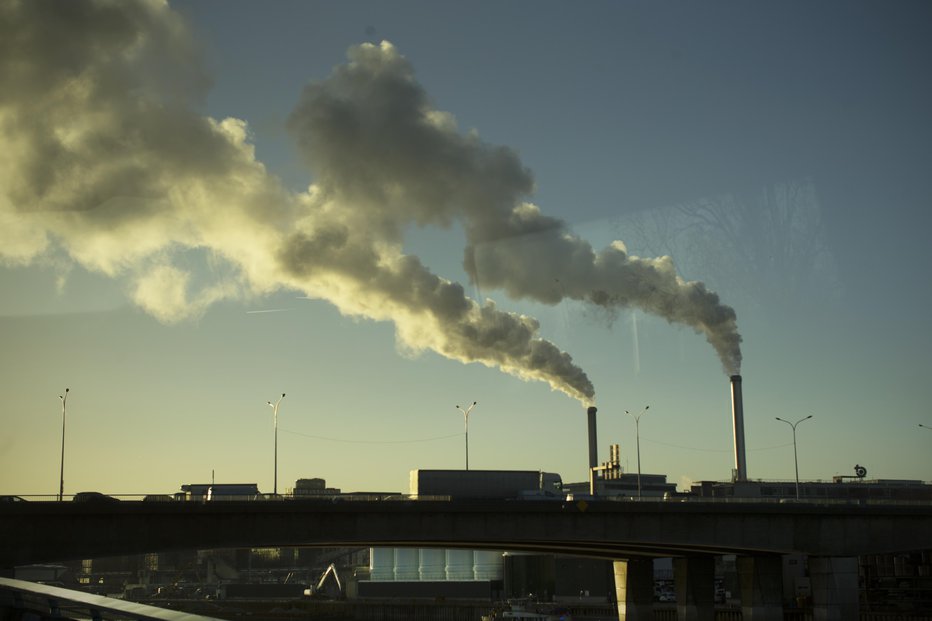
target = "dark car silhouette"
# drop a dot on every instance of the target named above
(94, 497)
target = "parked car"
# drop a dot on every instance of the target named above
(157, 498)
(94, 497)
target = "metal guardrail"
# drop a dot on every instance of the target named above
(767, 500)
(349, 497)
(229, 497)
(56, 602)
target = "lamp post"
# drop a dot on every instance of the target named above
(274, 407)
(466, 425)
(925, 426)
(795, 458)
(61, 480)
(637, 434)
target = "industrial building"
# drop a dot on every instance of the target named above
(839, 488)
(611, 481)
(453, 573)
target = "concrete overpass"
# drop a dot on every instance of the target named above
(32, 532)
(627, 532)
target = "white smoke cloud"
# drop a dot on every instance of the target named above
(106, 161)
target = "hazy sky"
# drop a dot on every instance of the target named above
(388, 209)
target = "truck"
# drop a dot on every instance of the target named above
(498, 484)
(219, 491)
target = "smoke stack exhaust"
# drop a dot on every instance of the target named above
(737, 409)
(593, 444)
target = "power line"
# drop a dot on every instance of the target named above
(308, 435)
(709, 450)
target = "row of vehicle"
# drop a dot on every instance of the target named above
(79, 497)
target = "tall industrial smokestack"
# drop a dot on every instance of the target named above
(593, 443)
(737, 409)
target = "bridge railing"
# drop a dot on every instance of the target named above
(27, 600)
(379, 497)
(351, 496)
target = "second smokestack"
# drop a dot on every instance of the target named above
(737, 410)
(593, 442)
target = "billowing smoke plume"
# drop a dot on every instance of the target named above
(106, 164)
(370, 133)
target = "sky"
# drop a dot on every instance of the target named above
(389, 210)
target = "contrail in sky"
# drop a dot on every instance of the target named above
(107, 162)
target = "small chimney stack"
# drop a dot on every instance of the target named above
(593, 444)
(737, 410)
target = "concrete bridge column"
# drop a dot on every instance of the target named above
(694, 580)
(834, 583)
(634, 589)
(761, 587)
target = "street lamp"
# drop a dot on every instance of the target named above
(466, 424)
(637, 433)
(274, 407)
(61, 485)
(925, 426)
(795, 458)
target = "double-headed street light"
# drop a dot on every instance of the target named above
(61, 485)
(466, 425)
(274, 407)
(795, 459)
(637, 434)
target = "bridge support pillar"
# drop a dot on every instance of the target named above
(834, 583)
(761, 583)
(634, 589)
(694, 580)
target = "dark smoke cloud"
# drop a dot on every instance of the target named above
(370, 134)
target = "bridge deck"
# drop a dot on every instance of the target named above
(32, 532)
